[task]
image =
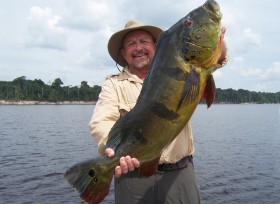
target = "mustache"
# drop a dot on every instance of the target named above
(141, 52)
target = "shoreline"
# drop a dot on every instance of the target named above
(2, 102)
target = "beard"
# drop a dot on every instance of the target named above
(140, 62)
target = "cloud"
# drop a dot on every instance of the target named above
(247, 40)
(268, 86)
(218, 74)
(238, 60)
(251, 73)
(252, 37)
(272, 73)
(94, 16)
(94, 55)
(43, 29)
(87, 16)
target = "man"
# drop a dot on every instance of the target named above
(133, 48)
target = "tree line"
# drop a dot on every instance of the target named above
(245, 96)
(22, 89)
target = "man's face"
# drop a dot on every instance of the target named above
(138, 49)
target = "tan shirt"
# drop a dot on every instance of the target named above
(121, 91)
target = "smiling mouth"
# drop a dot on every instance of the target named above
(140, 54)
(143, 55)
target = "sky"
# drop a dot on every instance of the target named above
(67, 39)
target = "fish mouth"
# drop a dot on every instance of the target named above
(212, 8)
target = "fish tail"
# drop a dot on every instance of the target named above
(91, 179)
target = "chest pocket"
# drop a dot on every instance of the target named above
(128, 93)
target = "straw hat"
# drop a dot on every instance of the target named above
(116, 40)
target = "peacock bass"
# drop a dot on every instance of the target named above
(179, 76)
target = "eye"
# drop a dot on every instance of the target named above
(129, 44)
(188, 23)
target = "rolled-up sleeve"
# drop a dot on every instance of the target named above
(105, 114)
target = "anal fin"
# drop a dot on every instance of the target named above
(148, 168)
(209, 91)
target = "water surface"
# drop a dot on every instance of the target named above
(236, 160)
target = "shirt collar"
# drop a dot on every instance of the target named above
(127, 75)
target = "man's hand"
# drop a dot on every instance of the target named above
(126, 163)
(224, 52)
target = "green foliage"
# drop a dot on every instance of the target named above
(56, 84)
(21, 89)
(245, 96)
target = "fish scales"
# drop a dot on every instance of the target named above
(179, 76)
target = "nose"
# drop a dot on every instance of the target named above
(138, 46)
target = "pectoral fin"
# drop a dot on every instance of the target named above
(116, 137)
(191, 89)
(209, 91)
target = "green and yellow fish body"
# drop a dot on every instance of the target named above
(179, 76)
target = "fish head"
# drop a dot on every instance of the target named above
(201, 35)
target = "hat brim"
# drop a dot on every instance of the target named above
(116, 40)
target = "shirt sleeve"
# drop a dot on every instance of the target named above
(105, 114)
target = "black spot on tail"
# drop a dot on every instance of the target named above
(91, 173)
(160, 110)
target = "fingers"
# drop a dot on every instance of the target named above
(122, 168)
(109, 152)
(135, 162)
(130, 165)
(126, 164)
(118, 171)
(224, 56)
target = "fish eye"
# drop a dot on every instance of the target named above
(188, 23)
(95, 179)
(91, 173)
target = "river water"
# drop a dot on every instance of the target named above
(237, 157)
